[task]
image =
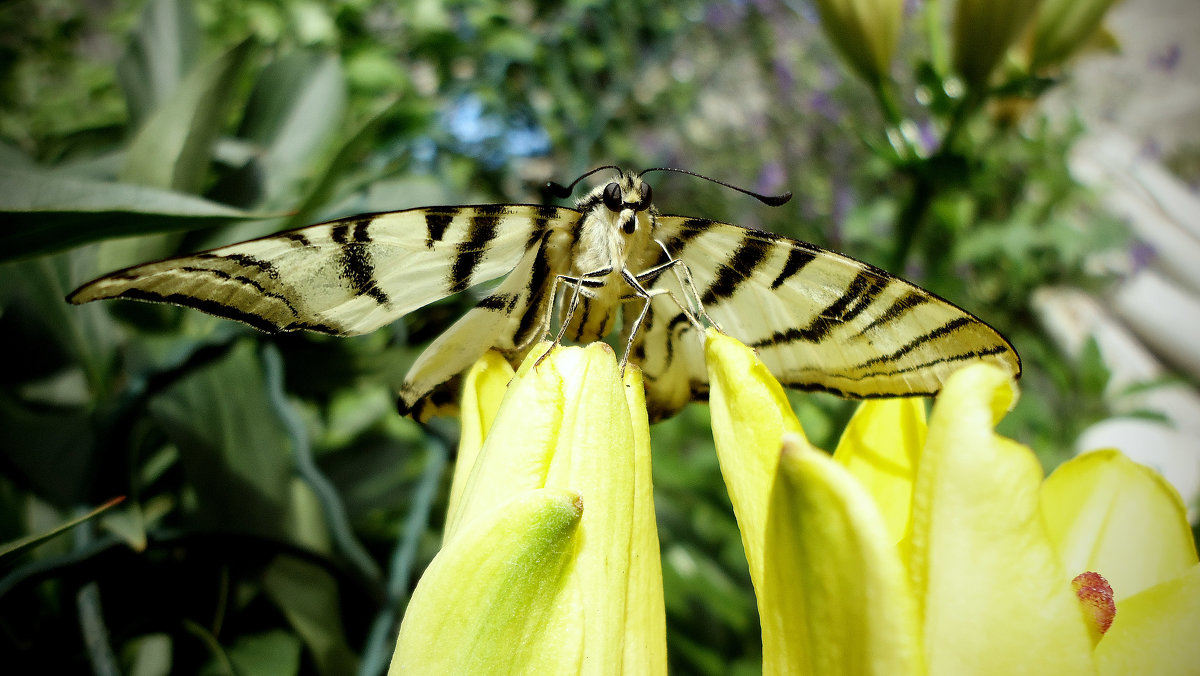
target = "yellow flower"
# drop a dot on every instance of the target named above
(980, 581)
(1107, 514)
(550, 562)
(864, 32)
(983, 32)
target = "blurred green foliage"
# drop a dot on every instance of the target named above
(277, 511)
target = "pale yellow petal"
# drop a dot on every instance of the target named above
(880, 447)
(595, 456)
(1108, 514)
(1155, 631)
(515, 456)
(645, 625)
(482, 391)
(482, 604)
(835, 599)
(750, 415)
(993, 596)
(566, 424)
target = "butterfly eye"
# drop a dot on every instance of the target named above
(644, 198)
(612, 196)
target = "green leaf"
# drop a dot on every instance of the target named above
(233, 448)
(160, 52)
(308, 596)
(272, 652)
(174, 146)
(31, 541)
(296, 108)
(348, 154)
(46, 212)
(50, 452)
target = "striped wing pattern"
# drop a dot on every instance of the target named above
(510, 319)
(818, 320)
(343, 277)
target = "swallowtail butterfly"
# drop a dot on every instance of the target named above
(819, 320)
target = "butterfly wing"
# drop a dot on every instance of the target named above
(343, 277)
(510, 320)
(818, 320)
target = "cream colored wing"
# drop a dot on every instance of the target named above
(510, 320)
(344, 277)
(818, 320)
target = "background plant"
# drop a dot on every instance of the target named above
(277, 510)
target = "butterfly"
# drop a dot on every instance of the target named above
(819, 320)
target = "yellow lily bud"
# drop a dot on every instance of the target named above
(983, 32)
(567, 424)
(832, 594)
(1062, 27)
(482, 391)
(835, 599)
(750, 416)
(864, 32)
(482, 605)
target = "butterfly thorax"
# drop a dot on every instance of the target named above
(614, 233)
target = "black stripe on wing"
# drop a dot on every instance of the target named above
(469, 253)
(861, 293)
(354, 259)
(738, 268)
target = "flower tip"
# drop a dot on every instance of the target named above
(792, 445)
(985, 378)
(1096, 598)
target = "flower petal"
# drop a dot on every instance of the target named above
(880, 447)
(482, 604)
(566, 423)
(646, 617)
(517, 451)
(750, 415)
(1154, 631)
(483, 390)
(1108, 514)
(992, 594)
(835, 599)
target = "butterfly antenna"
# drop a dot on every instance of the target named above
(769, 200)
(564, 191)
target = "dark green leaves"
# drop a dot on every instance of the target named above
(45, 212)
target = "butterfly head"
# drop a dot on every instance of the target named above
(625, 198)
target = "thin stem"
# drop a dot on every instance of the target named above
(927, 182)
(887, 102)
(910, 219)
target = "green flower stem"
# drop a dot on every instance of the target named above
(927, 183)
(911, 217)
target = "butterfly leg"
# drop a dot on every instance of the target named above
(588, 279)
(647, 296)
(684, 275)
